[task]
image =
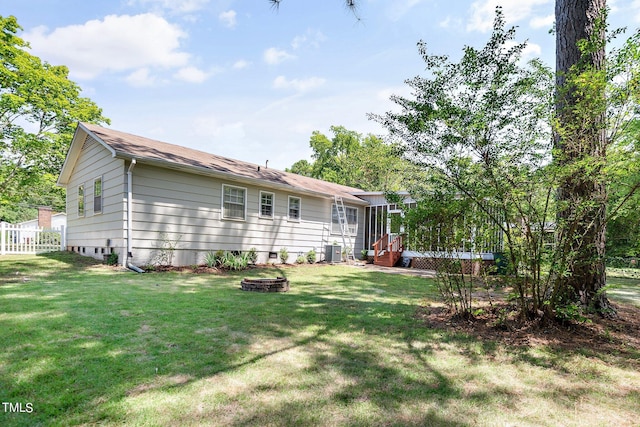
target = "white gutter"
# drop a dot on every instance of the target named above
(125, 260)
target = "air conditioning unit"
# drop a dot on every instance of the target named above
(333, 253)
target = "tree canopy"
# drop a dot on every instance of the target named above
(349, 158)
(39, 109)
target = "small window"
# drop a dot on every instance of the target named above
(233, 202)
(352, 220)
(81, 200)
(294, 208)
(266, 204)
(97, 195)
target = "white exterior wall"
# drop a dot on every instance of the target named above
(187, 207)
(88, 234)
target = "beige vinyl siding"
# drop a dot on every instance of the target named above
(188, 207)
(87, 233)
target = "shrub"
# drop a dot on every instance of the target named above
(252, 255)
(301, 259)
(311, 256)
(112, 259)
(233, 262)
(218, 256)
(284, 255)
(210, 259)
(165, 249)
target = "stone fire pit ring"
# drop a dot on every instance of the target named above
(279, 284)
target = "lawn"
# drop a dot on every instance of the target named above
(88, 344)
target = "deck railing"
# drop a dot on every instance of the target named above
(392, 250)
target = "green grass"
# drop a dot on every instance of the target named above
(86, 344)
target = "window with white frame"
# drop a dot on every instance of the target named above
(294, 208)
(234, 202)
(81, 200)
(266, 204)
(352, 220)
(97, 196)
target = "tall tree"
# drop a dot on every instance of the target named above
(480, 127)
(350, 159)
(39, 107)
(580, 142)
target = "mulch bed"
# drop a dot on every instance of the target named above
(620, 335)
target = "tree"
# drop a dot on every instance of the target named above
(350, 159)
(580, 147)
(39, 107)
(623, 154)
(480, 127)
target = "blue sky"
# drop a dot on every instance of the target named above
(239, 79)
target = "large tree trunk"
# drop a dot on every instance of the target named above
(581, 143)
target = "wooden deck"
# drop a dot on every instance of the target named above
(387, 253)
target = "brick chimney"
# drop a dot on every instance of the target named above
(44, 217)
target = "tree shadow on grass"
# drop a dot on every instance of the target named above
(358, 336)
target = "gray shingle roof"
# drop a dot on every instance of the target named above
(126, 145)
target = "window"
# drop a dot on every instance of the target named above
(97, 195)
(233, 202)
(266, 205)
(294, 208)
(81, 200)
(352, 220)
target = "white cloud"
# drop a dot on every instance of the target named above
(228, 18)
(175, 6)
(398, 8)
(191, 75)
(241, 64)
(483, 12)
(542, 21)
(141, 78)
(210, 127)
(450, 22)
(635, 7)
(303, 85)
(273, 56)
(311, 38)
(116, 43)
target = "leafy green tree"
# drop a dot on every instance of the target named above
(350, 159)
(623, 154)
(480, 127)
(39, 108)
(301, 167)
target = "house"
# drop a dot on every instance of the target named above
(131, 195)
(46, 219)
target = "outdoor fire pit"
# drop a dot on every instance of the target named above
(279, 284)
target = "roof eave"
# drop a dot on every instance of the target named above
(79, 136)
(233, 177)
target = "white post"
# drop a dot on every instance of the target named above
(3, 238)
(63, 238)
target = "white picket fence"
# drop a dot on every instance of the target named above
(17, 240)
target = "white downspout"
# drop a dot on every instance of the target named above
(130, 218)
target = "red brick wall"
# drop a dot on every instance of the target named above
(44, 217)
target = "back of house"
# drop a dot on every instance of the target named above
(152, 202)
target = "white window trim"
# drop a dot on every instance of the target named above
(94, 196)
(222, 203)
(84, 201)
(299, 209)
(273, 205)
(352, 233)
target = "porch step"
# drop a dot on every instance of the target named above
(387, 259)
